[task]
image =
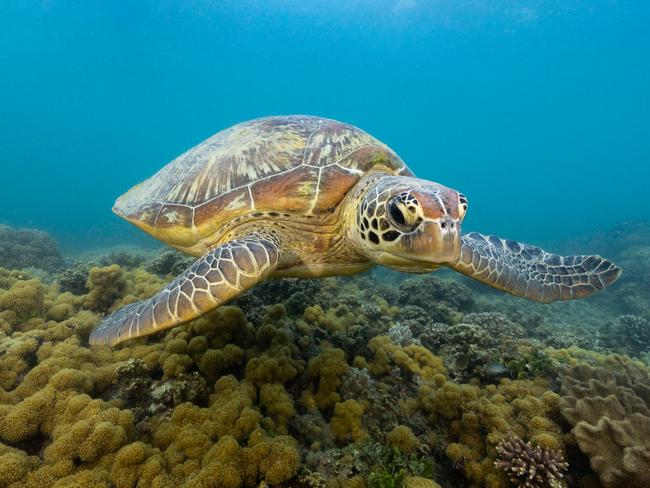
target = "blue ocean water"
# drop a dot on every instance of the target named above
(539, 111)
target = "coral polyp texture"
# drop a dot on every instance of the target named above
(530, 466)
(350, 382)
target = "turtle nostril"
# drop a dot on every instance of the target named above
(452, 225)
(443, 224)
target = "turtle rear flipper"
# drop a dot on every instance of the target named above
(212, 280)
(531, 272)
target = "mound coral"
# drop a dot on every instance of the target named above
(125, 258)
(419, 482)
(105, 285)
(346, 422)
(189, 439)
(51, 386)
(168, 262)
(475, 345)
(327, 369)
(412, 359)
(74, 278)
(439, 298)
(403, 438)
(25, 298)
(278, 405)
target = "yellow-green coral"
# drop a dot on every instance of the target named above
(414, 359)
(326, 370)
(347, 421)
(14, 465)
(332, 320)
(278, 367)
(139, 464)
(214, 362)
(264, 381)
(479, 418)
(278, 405)
(25, 298)
(187, 439)
(229, 465)
(85, 429)
(419, 482)
(403, 438)
(105, 286)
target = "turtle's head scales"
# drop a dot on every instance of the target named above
(410, 224)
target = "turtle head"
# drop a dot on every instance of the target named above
(409, 224)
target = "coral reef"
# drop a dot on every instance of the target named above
(486, 345)
(65, 408)
(28, 248)
(609, 410)
(105, 285)
(441, 301)
(168, 262)
(392, 467)
(403, 438)
(425, 291)
(475, 420)
(529, 466)
(124, 258)
(74, 278)
(389, 382)
(25, 299)
(634, 332)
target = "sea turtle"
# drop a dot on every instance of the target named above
(306, 196)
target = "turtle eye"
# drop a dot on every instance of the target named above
(462, 200)
(395, 213)
(402, 212)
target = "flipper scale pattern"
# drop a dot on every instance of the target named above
(212, 280)
(531, 272)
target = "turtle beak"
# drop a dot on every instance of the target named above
(433, 243)
(436, 241)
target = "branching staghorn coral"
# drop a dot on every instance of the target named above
(529, 466)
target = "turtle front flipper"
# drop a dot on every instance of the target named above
(530, 272)
(212, 280)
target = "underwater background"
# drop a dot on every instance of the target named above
(538, 111)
